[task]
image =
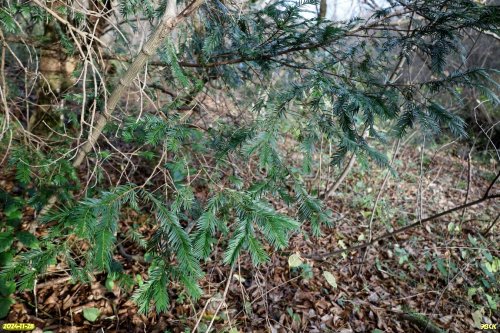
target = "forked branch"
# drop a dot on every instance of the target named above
(164, 28)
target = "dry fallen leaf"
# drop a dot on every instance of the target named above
(238, 278)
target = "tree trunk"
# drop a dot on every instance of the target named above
(322, 9)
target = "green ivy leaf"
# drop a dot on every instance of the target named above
(330, 278)
(91, 314)
(5, 303)
(5, 258)
(13, 214)
(27, 239)
(442, 267)
(6, 240)
(7, 287)
(491, 302)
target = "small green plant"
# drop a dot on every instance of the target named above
(91, 314)
(294, 316)
(306, 271)
(402, 255)
(10, 235)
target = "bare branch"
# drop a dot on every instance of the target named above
(167, 24)
(324, 256)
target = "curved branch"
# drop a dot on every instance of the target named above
(491, 185)
(167, 24)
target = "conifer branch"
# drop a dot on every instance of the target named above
(329, 192)
(490, 33)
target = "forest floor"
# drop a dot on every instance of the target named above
(436, 270)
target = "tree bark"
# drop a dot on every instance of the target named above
(322, 9)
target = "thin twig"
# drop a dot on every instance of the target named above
(469, 179)
(485, 233)
(229, 278)
(491, 185)
(395, 153)
(167, 24)
(420, 182)
(219, 306)
(370, 224)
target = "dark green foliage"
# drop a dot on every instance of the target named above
(303, 83)
(251, 216)
(155, 289)
(10, 232)
(7, 21)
